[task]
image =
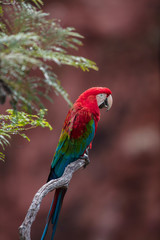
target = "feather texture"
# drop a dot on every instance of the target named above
(77, 135)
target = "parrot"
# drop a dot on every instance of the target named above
(75, 140)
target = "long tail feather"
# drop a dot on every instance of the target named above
(54, 211)
(47, 223)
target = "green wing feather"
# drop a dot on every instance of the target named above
(75, 137)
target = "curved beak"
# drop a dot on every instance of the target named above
(108, 102)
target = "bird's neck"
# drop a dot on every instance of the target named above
(91, 106)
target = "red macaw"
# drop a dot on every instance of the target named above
(76, 137)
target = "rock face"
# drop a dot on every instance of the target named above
(117, 197)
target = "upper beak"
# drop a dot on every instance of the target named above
(108, 102)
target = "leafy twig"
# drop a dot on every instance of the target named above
(30, 43)
(16, 122)
(8, 3)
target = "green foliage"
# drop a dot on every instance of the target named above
(38, 3)
(31, 45)
(16, 122)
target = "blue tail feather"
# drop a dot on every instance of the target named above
(57, 211)
(54, 211)
(48, 221)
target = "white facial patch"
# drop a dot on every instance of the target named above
(100, 98)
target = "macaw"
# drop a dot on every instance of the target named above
(76, 138)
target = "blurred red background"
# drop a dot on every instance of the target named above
(117, 197)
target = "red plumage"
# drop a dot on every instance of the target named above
(77, 135)
(87, 108)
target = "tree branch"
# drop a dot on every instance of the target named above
(25, 228)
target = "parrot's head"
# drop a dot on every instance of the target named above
(104, 100)
(97, 96)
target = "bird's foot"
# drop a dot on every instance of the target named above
(86, 157)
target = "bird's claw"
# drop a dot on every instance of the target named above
(86, 157)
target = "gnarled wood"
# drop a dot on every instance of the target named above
(25, 228)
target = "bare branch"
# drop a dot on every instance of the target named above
(25, 228)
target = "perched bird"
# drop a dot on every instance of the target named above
(76, 138)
